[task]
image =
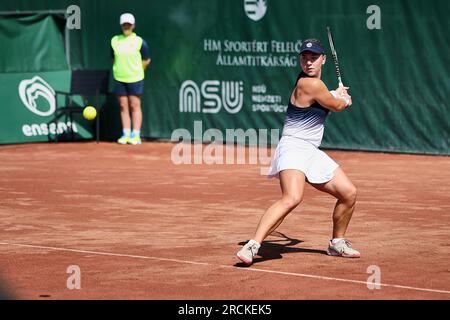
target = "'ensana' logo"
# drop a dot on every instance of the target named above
(39, 97)
(31, 89)
(255, 9)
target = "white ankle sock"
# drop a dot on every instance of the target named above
(135, 133)
(336, 240)
(126, 132)
(255, 243)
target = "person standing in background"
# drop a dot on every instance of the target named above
(131, 59)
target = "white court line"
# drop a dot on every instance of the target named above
(223, 266)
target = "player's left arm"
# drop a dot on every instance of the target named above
(317, 91)
(146, 60)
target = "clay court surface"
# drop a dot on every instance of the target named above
(140, 227)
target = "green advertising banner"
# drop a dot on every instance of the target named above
(232, 65)
(33, 67)
(28, 105)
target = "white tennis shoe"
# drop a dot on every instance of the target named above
(248, 252)
(342, 248)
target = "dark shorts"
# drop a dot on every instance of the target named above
(128, 89)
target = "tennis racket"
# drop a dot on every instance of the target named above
(334, 55)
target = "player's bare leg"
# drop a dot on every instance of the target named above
(136, 112)
(125, 118)
(136, 116)
(292, 185)
(124, 112)
(345, 192)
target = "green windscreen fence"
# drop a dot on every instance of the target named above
(32, 43)
(33, 66)
(232, 65)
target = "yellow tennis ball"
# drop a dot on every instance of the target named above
(89, 113)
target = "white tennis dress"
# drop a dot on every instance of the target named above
(299, 145)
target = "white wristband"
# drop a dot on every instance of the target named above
(346, 100)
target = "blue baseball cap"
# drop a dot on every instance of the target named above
(312, 45)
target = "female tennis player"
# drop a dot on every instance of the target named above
(297, 158)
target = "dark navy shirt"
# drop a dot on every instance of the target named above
(305, 123)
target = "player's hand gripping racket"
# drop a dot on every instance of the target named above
(334, 55)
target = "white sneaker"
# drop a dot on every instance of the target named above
(135, 141)
(342, 248)
(124, 139)
(248, 252)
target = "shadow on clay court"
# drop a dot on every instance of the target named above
(274, 249)
(5, 293)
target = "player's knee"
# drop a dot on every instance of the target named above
(350, 195)
(291, 201)
(124, 107)
(135, 107)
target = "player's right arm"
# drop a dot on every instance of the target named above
(316, 90)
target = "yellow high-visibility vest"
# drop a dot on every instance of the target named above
(127, 58)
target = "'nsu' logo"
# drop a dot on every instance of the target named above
(215, 94)
(31, 89)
